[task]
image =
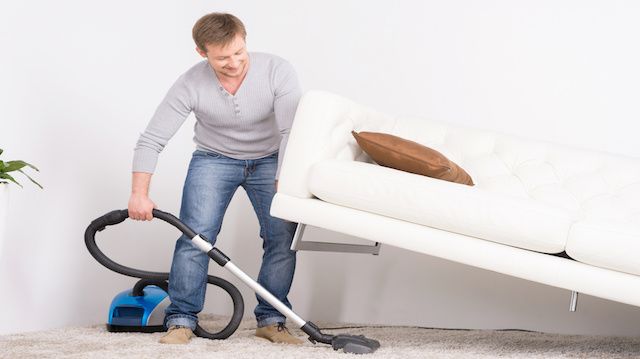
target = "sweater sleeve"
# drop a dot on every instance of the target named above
(287, 96)
(169, 116)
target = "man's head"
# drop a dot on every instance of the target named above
(221, 39)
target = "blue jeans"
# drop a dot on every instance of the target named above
(211, 182)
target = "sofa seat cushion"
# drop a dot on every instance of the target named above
(608, 232)
(471, 211)
(606, 244)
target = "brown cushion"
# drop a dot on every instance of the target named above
(395, 152)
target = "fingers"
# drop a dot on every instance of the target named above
(146, 215)
(140, 215)
(141, 209)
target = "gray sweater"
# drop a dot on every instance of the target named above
(251, 124)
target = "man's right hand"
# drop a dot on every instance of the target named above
(141, 207)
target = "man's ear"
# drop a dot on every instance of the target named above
(202, 53)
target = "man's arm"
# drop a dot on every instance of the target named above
(166, 121)
(287, 96)
(169, 116)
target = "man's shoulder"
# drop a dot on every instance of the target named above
(196, 72)
(265, 57)
(268, 60)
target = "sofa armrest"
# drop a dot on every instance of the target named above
(322, 130)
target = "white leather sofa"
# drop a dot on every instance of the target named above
(532, 200)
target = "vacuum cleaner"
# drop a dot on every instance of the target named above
(141, 309)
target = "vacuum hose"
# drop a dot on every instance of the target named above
(159, 278)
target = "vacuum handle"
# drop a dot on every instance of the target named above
(120, 215)
(109, 219)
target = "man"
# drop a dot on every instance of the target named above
(244, 105)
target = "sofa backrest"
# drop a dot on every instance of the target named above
(578, 180)
(322, 130)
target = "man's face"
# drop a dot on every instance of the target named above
(229, 60)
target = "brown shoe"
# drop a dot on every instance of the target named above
(177, 334)
(277, 333)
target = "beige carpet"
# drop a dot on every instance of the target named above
(397, 342)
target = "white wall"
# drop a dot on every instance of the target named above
(79, 80)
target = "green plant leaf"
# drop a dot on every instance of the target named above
(7, 176)
(16, 165)
(1, 150)
(31, 179)
(32, 166)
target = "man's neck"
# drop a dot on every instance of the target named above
(232, 84)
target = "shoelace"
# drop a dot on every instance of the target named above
(178, 327)
(282, 327)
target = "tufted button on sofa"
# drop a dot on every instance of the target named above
(532, 199)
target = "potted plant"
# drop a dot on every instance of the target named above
(5, 168)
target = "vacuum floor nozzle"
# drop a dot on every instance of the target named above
(355, 344)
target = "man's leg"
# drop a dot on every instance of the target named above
(211, 181)
(278, 260)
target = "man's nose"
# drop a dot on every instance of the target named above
(235, 62)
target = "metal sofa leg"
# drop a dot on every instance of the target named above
(574, 301)
(298, 244)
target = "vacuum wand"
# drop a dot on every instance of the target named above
(357, 344)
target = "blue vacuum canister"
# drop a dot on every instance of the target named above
(138, 313)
